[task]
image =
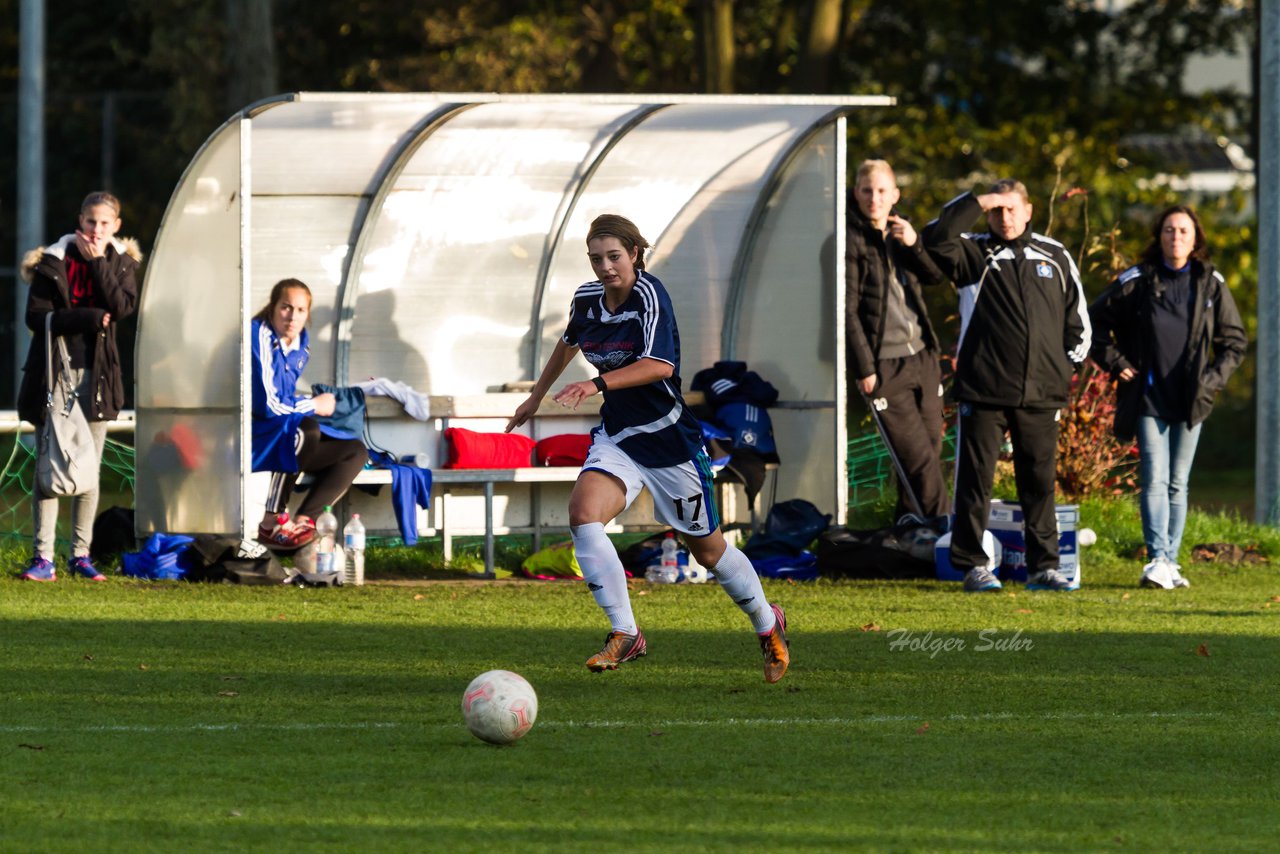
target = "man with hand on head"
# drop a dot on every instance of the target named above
(1024, 326)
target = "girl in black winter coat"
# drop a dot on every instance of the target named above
(1168, 330)
(87, 282)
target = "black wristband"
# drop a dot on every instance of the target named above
(598, 382)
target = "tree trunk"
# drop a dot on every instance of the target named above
(813, 71)
(596, 54)
(717, 42)
(251, 52)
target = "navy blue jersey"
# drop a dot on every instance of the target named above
(650, 422)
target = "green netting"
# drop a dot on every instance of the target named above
(871, 471)
(18, 478)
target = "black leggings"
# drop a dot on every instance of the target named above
(333, 463)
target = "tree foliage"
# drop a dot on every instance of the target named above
(1046, 91)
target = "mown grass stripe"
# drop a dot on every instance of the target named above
(622, 724)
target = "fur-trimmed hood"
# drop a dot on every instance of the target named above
(123, 246)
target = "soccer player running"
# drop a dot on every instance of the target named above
(624, 324)
(1024, 325)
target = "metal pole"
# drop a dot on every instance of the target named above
(30, 200)
(904, 485)
(1267, 474)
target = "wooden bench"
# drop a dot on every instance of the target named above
(486, 479)
(492, 410)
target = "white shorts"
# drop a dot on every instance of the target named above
(682, 494)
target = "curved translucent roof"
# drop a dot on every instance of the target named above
(442, 236)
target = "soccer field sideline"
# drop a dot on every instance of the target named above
(622, 724)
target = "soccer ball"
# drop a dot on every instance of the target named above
(695, 573)
(919, 542)
(499, 706)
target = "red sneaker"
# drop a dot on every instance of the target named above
(287, 535)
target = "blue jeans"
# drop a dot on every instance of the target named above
(1166, 450)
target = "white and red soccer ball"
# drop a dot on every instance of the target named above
(499, 706)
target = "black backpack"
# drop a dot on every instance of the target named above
(212, 558)
(112, 535)
(844, 553)
(788, 529)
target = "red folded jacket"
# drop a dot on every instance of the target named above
(471, 450)
(566, 449)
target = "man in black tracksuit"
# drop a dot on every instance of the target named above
(891, 348)
(1024, 325)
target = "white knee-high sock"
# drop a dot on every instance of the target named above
(603, 572)
(738, 578)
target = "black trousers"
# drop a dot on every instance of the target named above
(908, 401)
(334, 463)
(1034, 436)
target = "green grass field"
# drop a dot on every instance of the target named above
(178, 717)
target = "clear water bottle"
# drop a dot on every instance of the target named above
(667, 569)
(670, 563)
(353, 545)
(326, 541)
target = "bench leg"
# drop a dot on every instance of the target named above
(446, 536)
(535, 503)
(488, 530)
(728, 504)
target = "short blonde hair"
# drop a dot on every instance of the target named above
(871, 167)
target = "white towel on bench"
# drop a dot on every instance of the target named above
(415, 403)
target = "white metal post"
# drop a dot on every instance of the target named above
(842, 369)
(248, 527)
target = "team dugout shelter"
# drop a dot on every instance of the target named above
(442, 236)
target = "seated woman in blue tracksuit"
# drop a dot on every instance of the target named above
(287, 440)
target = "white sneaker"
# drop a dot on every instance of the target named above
(1176, 574)
(1158, 573)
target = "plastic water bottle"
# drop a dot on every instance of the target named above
(353, 546)
(667, 569)
(326, 541)
(670, 563)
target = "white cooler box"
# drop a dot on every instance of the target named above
(1005, 523)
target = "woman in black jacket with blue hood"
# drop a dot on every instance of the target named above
(1168, 330)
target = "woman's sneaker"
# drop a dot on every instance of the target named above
(286, 535)
(1157, 574)
(618, 648)
(40, 570)
(83, 567)
(776, 647)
